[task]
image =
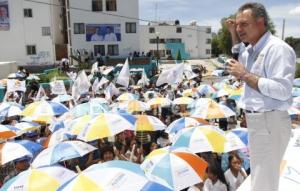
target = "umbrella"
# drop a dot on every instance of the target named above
(183, 101)
(193, 92)
(32, 77)
(295, 92)
(62, 98)
(104, 125)
(150, 94)
(159, 101)
(9, 109)
(148, 123)
(242, 133)
(27, 126)
(8, 131)
(56, 125)
(94, 107)
(206, 108)
(234, 141)
(44, 110)
(296, 82)
(185, 122)
(46, 178)
(134, 105)
(57, 137)
(112, 175)
(75, 126)
(177, 168)
(126, 97)
(15, 150)
(60, 152)
(201, 139)
(205, 89)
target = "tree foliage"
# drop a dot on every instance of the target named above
(178, 56)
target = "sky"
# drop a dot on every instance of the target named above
(210, 12)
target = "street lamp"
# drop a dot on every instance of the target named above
(157, 50)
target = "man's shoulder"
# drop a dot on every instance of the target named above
(276, 42)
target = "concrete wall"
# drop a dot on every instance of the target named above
(7, 68)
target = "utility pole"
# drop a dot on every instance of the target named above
(283, 27)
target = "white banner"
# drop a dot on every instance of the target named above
(16, 85)
(58, 87)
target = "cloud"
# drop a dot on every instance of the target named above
(295, 11)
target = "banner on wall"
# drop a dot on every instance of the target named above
(103, 32)
(4, 15)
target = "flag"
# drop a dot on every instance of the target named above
(72, 75)
(41, 94)
(123, 78)
(189, 74)
(171, 76)
(95, 85)
(144, 81)
(58, 87)
(102, 82)
(110, 91)
(81, 85)
(94, 68)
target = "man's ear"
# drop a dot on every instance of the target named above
(260, 21)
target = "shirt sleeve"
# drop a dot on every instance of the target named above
(280, 70)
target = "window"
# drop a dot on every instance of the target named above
(31, 49)
(178, 30)
(96, 5)
(208, 30)
(153, 41)
(207, 51)
(46, 31)
(130, 27)
(151, 30)
(111, 5)
(27, 12)
(79, 28)
(99, 49)
(113, 50)
(173, 40)
(208, 41)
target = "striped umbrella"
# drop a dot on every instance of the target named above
(46, 179)
(185, 122)
(10, 151)
(206, 108)
(104, 125)
(183, 101)
(159, 101)
(9, 109)
(60, 152)
(176, 168)
(201, 139)
(62, 98)
(57, 137)
(44, 110)
(8, 131)
(75, 126)
(148, 123)
(126, 97)
(27, 126)
(205, 89)
(136, 106)
(112, 175)
(193, 92)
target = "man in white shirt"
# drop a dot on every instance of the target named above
(97, 36)
(110, 36)
(267, 66)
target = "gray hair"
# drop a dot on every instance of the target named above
(258, 11)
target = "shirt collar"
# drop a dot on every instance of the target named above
(261, 42)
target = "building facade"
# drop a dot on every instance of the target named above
(104, 27)
(31, 31)
(192, 41)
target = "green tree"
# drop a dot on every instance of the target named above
(215, 50)
(178, 56)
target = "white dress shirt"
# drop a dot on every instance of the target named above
(274, 62)
(218, 186)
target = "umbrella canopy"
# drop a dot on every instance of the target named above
(9, 109)
(177, 168)
(148, 123)
(57, 137)
(185, 122)
(139, 106)
(160, 101)
(104, 125)
(150, 94)
(10, 151)
(27, 126)
(205, 89)
(126, 97)
(206, 108)
(183, 101)
(46, 179)
(295, 92)
(75, 126)
(61, 152)
(193, 92)
(234, 142)
(111, 175)
(201, 139)
(44, 110)
(8, 131)
(62, 98)
(296, 82)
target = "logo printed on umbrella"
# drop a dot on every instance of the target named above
(118, 180)
(183, 171)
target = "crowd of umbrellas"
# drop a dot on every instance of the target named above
(174, 167)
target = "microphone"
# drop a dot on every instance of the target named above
(235, 52)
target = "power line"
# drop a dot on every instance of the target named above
(108, 14)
